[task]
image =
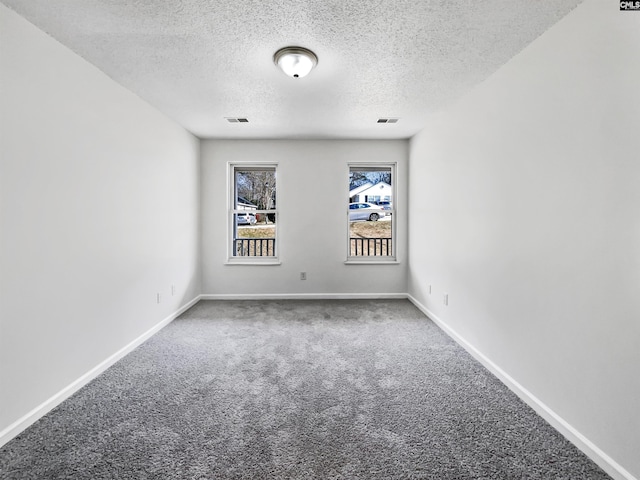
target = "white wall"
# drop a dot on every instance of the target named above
(98, 213)
(529, 195)
(312, 227)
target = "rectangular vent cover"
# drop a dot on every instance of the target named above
(388, 120)
(237, 120)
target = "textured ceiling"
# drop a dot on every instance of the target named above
(199, 61)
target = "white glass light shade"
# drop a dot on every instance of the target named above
(296, 62)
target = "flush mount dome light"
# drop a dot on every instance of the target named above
(296, 62)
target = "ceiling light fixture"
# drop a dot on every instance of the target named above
(296, 62)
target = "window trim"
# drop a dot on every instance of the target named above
(375, 260)
(232, 259)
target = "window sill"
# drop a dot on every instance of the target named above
(253, 262)
(372, 262)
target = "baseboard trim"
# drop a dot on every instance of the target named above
(34, 415)
(303, 296)
(604, 461)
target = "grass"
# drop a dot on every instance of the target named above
(370, 229)
(256, 232)
(356, 229)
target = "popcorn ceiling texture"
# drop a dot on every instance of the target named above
(199, 61)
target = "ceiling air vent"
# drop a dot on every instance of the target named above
(237, 120)
(388, 120)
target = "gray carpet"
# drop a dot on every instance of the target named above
(295, 390)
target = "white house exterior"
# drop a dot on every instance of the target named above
(379, 192)
(244, 204)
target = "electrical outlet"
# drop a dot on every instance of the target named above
(445, 299)
(303, 275)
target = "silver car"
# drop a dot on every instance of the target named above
(365, 211)
(386, 205)
(246, 219)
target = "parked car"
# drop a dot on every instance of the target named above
(385, 204)
(365, 211)
(246, 219)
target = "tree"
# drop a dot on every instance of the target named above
(259, 188)
(360, 177)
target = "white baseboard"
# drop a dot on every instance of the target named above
(303, 296)
(34, 415)
(604, 461)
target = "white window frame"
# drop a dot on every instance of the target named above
(390, 259)
(233, 211)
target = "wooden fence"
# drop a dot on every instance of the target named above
(370, 247)
(254, 247)
(360, 247)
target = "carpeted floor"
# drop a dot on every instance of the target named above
(295, 390)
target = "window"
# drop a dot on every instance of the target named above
(253, 213)
(371, 213)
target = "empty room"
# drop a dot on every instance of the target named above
(319, 239)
